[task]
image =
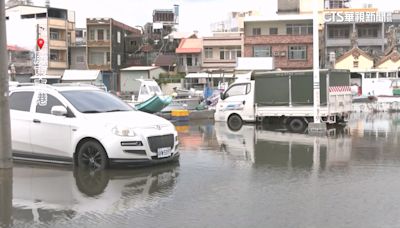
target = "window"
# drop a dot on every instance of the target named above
(119, 37)
(41, 15)
(100, 34)
(236, 90)
(54, 35)
(382, 74)
(54, 55)
(392, 74)
(189, 61)
(91, 101)
(370, 75)
(119, 59)
(57, 55)
(339, 32)
(273, 31)
(368, 32)
(299, 29)
(221, 54)
(91, 34)
(46, 109)
(208, 53)
(261, 51)
(21, 101)
(336, 4)
(298, 52)
(97, 58)
(256, 31)
(107, 34)
(79, 34)
(355, 64)
(229, 53)
(27, 16)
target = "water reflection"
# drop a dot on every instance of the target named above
(274, 145)
(47, 195)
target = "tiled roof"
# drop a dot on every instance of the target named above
(15, 48)
(355, 51)
(190, 45)
(394, 56)
(165, 60)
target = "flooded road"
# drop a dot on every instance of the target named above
(259, 176)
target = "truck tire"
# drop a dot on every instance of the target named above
(235, 122)
(297, 125)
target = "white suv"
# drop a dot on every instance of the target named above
(85, 126)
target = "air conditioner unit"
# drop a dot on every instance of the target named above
(283, 53)
(276, 53)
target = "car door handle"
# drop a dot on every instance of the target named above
(36, 121)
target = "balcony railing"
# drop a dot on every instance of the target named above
(58, 64)
(98, 43)
(99, 66)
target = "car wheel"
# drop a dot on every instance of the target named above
(92, 155)
(235, 122)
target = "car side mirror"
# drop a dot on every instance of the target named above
(59, 110)
(221, 95)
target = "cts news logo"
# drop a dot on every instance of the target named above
(357, 17)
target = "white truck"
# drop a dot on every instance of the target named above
(286, 96)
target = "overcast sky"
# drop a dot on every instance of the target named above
(194, 14)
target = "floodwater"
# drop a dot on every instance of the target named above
(259, 176)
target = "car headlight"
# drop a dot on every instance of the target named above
(123, 131)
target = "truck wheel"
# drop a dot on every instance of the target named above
(297, 125)
(235, 122)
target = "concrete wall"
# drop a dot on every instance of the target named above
(78, 52)
(389, 64)
(348, 63)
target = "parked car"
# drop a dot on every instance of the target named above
(86, 126)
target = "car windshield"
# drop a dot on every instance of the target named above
(95, 101)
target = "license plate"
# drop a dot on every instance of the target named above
(163, 152)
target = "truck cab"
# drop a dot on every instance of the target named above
(236, 104)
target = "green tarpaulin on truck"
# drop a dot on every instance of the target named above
(280, 88)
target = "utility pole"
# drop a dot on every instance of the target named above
(317, 126)
(5, 129)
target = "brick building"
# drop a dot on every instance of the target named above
(286, 38)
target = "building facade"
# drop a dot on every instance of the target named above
(108, 47)
(220, 52)
(77, 58)
(189, 55)
(286, 38)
